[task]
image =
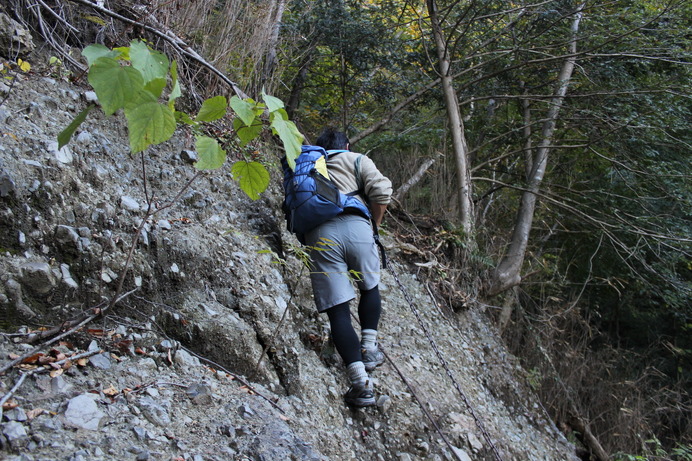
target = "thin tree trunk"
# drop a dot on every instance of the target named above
(508, 272)
(270, 60)
(413, 180)
(456, 123)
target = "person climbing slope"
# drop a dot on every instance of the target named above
(343, 251)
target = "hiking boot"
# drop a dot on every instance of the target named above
(360, 395)
(372, 358)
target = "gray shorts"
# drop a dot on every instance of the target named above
(343, 251)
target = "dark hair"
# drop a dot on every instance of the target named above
(332, 139)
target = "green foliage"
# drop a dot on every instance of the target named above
(211, 155)
(135, 78)
(252, 177)
(652, 449)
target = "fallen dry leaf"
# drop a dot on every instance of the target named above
(82, 362)
(31, 414)
(12, 356)
(33, 358)
(111, 391)
(55, 373)
(10, 404)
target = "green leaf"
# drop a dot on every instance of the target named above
(212, 109)
(66, 134)
(175, 92)
(291, 138)
(151, 64)
(211, 155)
(244, 109)
(123, 52)
(148, 121)
(252, 177)
(183, 117)
(93, 52)
(156, 86)
(247, 133)
(115, 85)
(273, 103)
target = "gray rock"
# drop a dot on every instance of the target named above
(129, 204)
(154, 412)
(189, 156)
(14, 36)
(15, 414)
(83, 412)
(38, 277)
(84, 137)
(100, 361)
(185, 359)
(62, 155)
(68, 238)
(90, 96)
(67, 277)
(164, 224)
(7, 186)
(15, 433)
(59, 385)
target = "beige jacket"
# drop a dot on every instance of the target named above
(376, 186)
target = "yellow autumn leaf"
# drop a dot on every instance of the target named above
(25, 66)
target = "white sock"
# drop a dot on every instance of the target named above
(368, 339)
(356, 372)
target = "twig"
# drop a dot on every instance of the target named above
(176, 42)
(82, 321)
(24, 375)
(235, 376)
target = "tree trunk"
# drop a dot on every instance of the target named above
(270, 60)
(508, 272)
(413, 180)
(456, 124)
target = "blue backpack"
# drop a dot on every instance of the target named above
(310, 198)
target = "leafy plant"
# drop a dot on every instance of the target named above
(144, 85)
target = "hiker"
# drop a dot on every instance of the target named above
(344, 250)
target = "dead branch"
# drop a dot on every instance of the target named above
(413, 180)
(176, 42)
(23, 376)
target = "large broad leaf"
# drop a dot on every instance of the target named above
(156, 86)
(253, 177)
(148, 121)
(273, 104)
(212, 109)
(247, 133)
(93, 52)
(211, 155)
(66, 134)
(115, 85)
(247, 109)
(151, 64)
(291, 138)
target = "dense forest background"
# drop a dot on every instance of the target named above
(540, 152)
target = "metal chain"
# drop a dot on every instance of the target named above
(478, 421)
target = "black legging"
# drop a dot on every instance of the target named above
(344, 336)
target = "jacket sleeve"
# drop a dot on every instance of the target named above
(377, 187)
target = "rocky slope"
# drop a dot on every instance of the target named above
(215, 351)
